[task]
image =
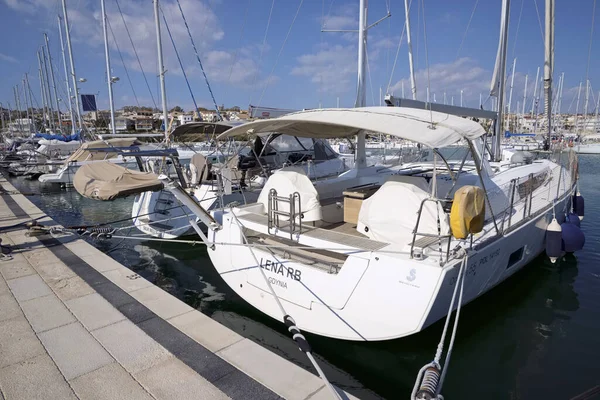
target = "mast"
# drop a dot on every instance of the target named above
(43, 92)
(534, 100)
(26, 105)
(161, 70)
(499, 76)
(361, 96)
(30, 100)
(47, 88)
(413, 84)
(524, 95)
(577, 107)
(597, 107)
(53, 82)
(73, 75)
(62, 49)
(108, 77)
(587, 101)
(549, 65)
(512, 84)
(19, 120)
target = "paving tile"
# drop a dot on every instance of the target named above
(46, 313)
(101, 262)
(74, 350)
(88, 274)
(238, 385)
(17, 341)
(81, 248)
(35, 378)
(194, 355)
(115, 295)
(172, 379)
(94, 311)
(28, 287)
(37, 257)
(16, 268)
(9, 308)
(288, 380)
(130, 346)
(325, 394)
(3, 286)
(121, 386)
(54, 271)
(70, 288)
(205, 330)
(127, 280)
(160, 302)
(136, 312)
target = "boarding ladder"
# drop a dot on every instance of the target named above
(425, 240)
(293, 215)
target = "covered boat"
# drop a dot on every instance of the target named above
(108, 181)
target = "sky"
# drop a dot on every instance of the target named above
(273, 53)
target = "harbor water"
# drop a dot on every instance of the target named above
(534, 336)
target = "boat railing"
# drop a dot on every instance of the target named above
(428, 239)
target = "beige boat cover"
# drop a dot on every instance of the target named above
(86, 153)
(106, 181)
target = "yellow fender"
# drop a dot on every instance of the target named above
(468, 211)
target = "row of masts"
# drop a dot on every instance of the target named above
(50, 99)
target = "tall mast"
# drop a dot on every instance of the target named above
(534, 100)
(597, 108)
(26, 105)
(62, 49)
(73, 75)
(19, 120)
(108, 77)
(30, 101)
(361, 96)
(413, 84)
(53, 82)
(43, 92)
(47, 88)
(512, 84)
(501, 74)
(161, 70)
(524, 96)
(549, 64)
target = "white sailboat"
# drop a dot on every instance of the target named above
(386, 266)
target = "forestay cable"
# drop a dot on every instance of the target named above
(136, 54)
(199, 61)
(123, 62)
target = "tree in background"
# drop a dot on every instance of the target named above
(176, 109)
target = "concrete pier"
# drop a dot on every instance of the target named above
(75, 324)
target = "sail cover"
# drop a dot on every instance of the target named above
(431, 128)
(106, 181)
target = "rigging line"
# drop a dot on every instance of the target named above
(262, 48)
(199, 61)
(179, 59)
(427, 59)
(321, 46)
(537, 11)
(136, 53)
(467, 29)
(398, 50)
(328, 12)
(280, 51)
(235, 55)
(123, 61)
(418, 33)
(587, 69)
(517, 31)
(370, 81)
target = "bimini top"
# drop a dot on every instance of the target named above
(86, 151)
(197, 131)
(407, 123)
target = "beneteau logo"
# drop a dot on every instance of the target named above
(281, 269)
(412, 276)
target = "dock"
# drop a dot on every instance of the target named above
(76, 324)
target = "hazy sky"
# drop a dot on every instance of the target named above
(313, 67)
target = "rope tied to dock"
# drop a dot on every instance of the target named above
(297, 335)
(430, 377)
